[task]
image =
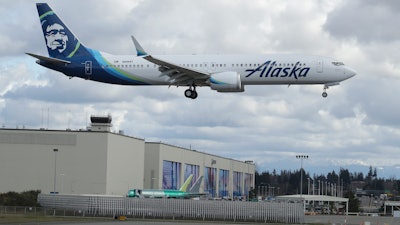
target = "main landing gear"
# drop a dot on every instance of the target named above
(191, 92)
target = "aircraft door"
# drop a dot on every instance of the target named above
(88, 67)
(320, 66)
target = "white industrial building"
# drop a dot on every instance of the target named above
(97, 161)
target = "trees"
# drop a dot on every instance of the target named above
(288, 181)
(354, 203)
(26, 198)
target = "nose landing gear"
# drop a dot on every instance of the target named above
(324, 94)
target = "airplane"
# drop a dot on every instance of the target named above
(222, 73)
(181, 193)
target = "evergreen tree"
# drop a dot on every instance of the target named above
(354, 203)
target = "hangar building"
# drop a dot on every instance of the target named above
(97, 161)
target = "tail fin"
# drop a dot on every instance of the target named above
(60, 41)
(196, 186)
(186, 184)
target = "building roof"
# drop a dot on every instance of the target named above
(322, 198)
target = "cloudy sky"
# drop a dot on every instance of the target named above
(358, 125)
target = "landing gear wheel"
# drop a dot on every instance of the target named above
(189, 93)
(194, 95)
(324, 94)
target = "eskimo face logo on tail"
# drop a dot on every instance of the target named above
(272, 69)
(56, 37)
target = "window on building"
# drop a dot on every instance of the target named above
(210, 180)
(223, 183)
(237, 183)
(192, 169)
(248, 183)
(171, 175)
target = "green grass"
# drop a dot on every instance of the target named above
(17, 218)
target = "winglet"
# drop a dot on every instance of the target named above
(139, 49)
(186, 184)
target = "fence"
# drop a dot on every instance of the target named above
(96, 205)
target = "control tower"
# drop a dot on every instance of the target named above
(100, 123)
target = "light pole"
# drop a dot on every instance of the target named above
(301, 157)
(55, 178)
(55, 169)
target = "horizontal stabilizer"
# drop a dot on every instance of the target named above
(48, 59)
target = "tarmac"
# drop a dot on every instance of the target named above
(351, 220)
(313, 219)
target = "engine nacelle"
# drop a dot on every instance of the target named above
(226, 82)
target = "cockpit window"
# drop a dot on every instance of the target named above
(338, 63)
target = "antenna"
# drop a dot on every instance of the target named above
(69, 119)
(48, 117)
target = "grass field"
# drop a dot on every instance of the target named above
(17, 219)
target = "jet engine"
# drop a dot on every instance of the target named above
(226, 82)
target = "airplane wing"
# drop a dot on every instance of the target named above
(178, 75)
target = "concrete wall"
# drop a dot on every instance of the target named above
(27, 161)
(152, 173)
(87, 162)
(125, 164)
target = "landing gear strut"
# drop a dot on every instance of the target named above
(191, 92)
(324, 94)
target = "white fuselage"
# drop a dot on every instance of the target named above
(253, 69)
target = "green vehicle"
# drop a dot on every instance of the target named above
(183, 192)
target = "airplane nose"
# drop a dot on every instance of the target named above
(350, 72)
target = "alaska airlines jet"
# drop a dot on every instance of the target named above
(181, 193)
(222, 73)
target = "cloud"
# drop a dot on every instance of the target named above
(356, 126)
(368, 21)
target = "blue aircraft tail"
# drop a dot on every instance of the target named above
(60, 41)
